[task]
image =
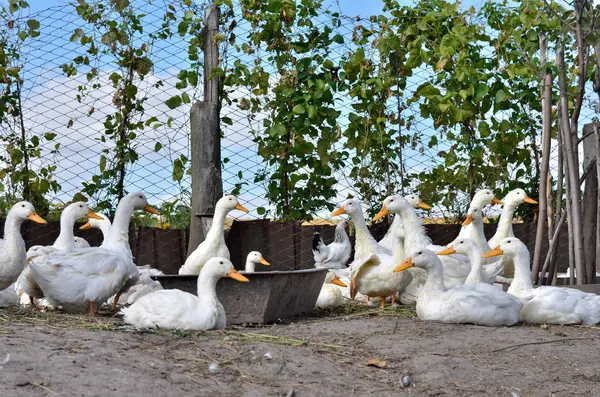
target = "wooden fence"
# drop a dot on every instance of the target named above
(287, 245)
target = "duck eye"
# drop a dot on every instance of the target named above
(221, 262)
(419, 253)
(81, 206)
(23, 205)
(391, 200)
(141, 197)
(508, 241)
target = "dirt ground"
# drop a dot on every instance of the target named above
(54, 354)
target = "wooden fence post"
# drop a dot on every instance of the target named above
(590, 200)
(207, 185)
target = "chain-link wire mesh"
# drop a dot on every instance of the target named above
(68, 124)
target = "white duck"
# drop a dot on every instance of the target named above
(253, 258)
(12, 248)
(505, 225)
(214, 243)
(330, 296)
(546, 304)
(175, 309)
(364, 244)
(456, 267)
(461, 304)
(131, 292)
(81, 243)
(396, 227)
(336, 254)
(375, 277)
(86, 276)
(469, 248)
(65, 242)
(474, 230)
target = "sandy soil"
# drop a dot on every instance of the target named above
(49, 354)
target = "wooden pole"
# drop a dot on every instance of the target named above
(207, 184)
(573, 190)
(590, 201)
(546, 139)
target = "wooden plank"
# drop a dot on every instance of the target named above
(590, 200)
(207, 185)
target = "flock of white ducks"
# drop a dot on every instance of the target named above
(453, 286)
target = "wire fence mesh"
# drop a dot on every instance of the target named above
(66, 124)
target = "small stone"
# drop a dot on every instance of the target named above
(405, 381)
(213, 367)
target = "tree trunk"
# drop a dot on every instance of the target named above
(573, 190)
(546, 139)
(590, 201)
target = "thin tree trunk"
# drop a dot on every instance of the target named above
(23, 148)
(593, 275)
(558, 210)
(546, 95)
(573, 191)
(552, 249)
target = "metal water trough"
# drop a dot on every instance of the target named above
(268, 297)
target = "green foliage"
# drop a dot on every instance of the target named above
(17, 178)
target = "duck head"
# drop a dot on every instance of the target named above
(78, 210)
(461, 245)
(229, 203)
(256, 257)
(24, 210)
(421, 258)
(394, 204)
(510, 246)
(350, 207)
(222, 267)
(516, 197)
(416, 202)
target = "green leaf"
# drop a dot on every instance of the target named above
(277, 129)
(157, 146)
(177, 170)
(500, 96)
(481, 91)
(188, 14)
(120, 5)
(131, 91)
(33, 24)
(261, 210)
(102, 163)
(299, 109)
(484, 129)
(226, 120)
(428, 91)
(338, 38)
(185, 97)
(50, 136)
(14, 7)
(174, 102)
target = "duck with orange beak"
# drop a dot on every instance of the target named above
(456, 266)
(82, 277)
(254, 258)
(65, 242)
(179, 310)
(505, 225)
(12, 248)
(545, 304)
(331, 295)
(371, 269)
(214, 243)
(472, 227)
(461, 304)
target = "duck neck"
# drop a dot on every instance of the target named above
(250, 266)
(505, 227)
(414, 232)
(435, 280)
(66, 237)
(218, 225)
(521, 284)
(12, 232)
(105, 229)
(475, 257)
(398, 250)
(363, 235)
(207, 286)
(119, 231)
